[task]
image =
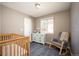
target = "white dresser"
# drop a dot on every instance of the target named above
(38, 37)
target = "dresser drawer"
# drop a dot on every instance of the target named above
(38, 37)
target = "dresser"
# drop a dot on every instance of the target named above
(38, 37)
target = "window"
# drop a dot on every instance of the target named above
(47, 25)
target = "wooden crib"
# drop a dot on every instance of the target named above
(14, 45)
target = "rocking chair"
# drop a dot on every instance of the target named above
(62, 43)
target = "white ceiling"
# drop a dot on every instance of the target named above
(45, 7)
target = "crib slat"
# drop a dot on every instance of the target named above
(5, 37)
(20, 50)
(25, 49)
(10, 49)
(5, 50)
(14, 50)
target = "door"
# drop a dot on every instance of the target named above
(27, 27)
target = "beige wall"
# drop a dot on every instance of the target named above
(75, 27)
(33, 23)
(0, 18)
(13, 21)
(61, 23)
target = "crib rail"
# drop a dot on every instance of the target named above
(14, 45)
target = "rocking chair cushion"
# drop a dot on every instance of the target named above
(58, 42)
(56, 39)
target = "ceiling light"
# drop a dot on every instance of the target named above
(37, 5)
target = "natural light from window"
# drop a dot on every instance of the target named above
(47, 25)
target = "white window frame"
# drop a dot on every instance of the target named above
(47, 19)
